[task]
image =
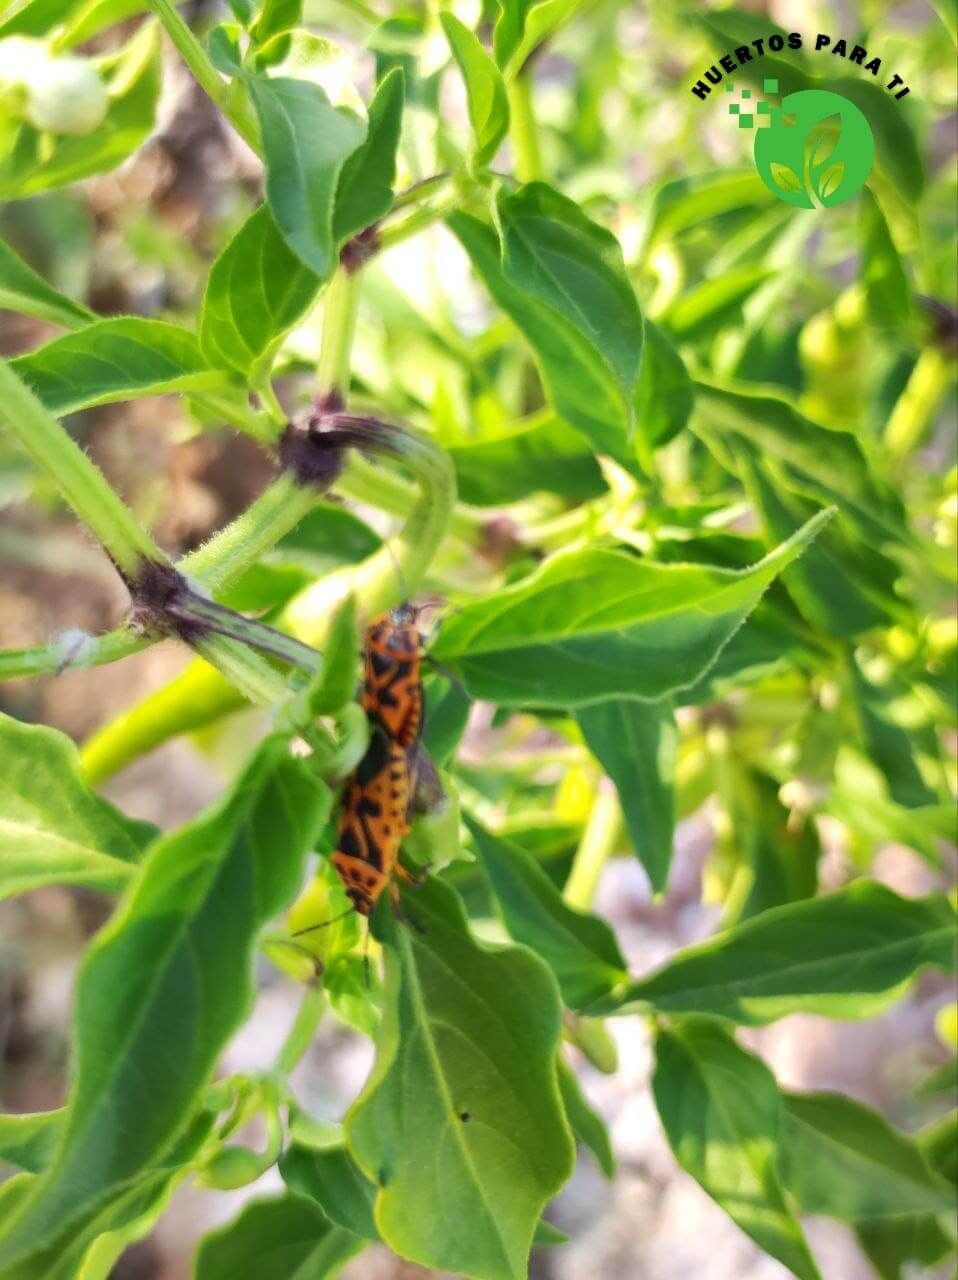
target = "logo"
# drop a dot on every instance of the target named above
(813, 151)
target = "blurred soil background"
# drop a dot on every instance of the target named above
(139, 241)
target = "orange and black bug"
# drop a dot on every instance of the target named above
(392, 685)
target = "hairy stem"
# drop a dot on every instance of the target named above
(194, 55)
(78, 479)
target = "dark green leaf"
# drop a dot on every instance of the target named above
(22, 290)
(891, 1243)
(53, 828)
(636, 743)
(117, 360)
(365, 190)
(29, 1141)
(546, 457)
(778, 861)
(485, 89)
(844, 1160)
(846, 955)
(587, 1125)
(163, 987)
(579, 947)
(330, 1177)
(285, 1238)
(461, 1123)
(708, 306)
(330, 536)
(447, 713)
(306, 142)
(257, 290)
(721, 1111)
(663, 395)
(596, 624)
(560, 279)
(890, 745)
(335, 683)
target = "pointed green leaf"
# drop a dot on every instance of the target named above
(578, 947)
(256, 291)
(29, 1141)
(888, 296)
(846, 955)
(485, 89)
(547, 456)
(636, 743)
(22, 290)
(844, 1160)
(721, 1111)
(365, 190)
(587, 1125)
(163, 987)
(596, 624)
(306, 142)
(285, 1238)
(331, 1177)
(560, 278)
(461, 1124)
(117, 359)
(663, 394)
(53, 828)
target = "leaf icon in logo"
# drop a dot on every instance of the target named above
(786, 178)
(822, 140)
(830, 180)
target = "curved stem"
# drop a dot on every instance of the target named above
(78, 479)
(303, 1030)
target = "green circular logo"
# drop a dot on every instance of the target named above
(817, 151)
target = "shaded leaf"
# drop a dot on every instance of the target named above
(636, 743)
(365, 190)
(29, 1141)
(847, 955)
(888, 297)
(328, 1175)
(547, 456)
(587, 1125)
(578, 946)
(663, 395)
(595, 624)
(24, 291)
(163, 987)
(53, 828)
(283, 1238)
(461, 1120)
(256, 291)
(116, 360)
(721, 1111)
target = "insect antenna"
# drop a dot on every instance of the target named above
(323, 924)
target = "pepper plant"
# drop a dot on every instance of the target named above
(666, 482)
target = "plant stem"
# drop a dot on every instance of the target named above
(522, 128)
(365, 482)
(303, 1030)
(243, 542)
(70, 651)
(78, 479)
(596, 846)
(253, 422)
(396, 232)
(194, 55)
(339, 328)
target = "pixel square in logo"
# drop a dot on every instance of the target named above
(813, 151)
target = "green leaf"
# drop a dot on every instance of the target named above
(116, 360)
(485, 89)
(709, 306)
(335, 683)
(547, 456)
(284, 1238)
(29, 1141)
(365, 190)
(22, 290)
(561, 280)
(330, 1176)
(779, 862)
(847, 955)
(663, 395)
(133, 78)
(721, 1111)
(891, 747)
(445, 720)
(306, 142)
(276, 16)
(89, 19)
(891, 1243)
(587, 1125)
(163, 987)
(522, 25)
(461, 1123)
(636, 743)
(578, 947)
(330, 536)
(844, 1160)
(256, 291)
(594, 624)
(829, 464)
(888, 296)
(684, 203)
(53, 828)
